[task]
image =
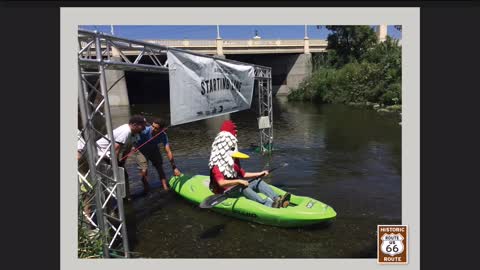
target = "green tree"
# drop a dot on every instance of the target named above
(388, 55)
(356, 69)
(350, 43)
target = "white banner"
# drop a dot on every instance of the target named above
(203, 87)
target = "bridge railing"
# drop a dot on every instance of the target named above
(239, 43)
(212, 46)
(318, 42)
(184, 43)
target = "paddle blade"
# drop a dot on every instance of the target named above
(213, 200)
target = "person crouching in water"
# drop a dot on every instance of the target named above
(225, 170)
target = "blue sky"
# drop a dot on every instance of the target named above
(226, 31)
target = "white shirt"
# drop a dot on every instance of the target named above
(80, 144)
(121, 134)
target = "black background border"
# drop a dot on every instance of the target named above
(31, 127)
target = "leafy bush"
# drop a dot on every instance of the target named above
(373, 72)
(355, 82)
(392, 95)
(314, 87)
(89, 243)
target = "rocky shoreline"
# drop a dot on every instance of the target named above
(380, 108)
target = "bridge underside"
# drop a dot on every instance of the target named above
(288, 70)
(148, 88)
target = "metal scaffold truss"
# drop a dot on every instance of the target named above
(102, 185)
(114, 50)
(264, 87)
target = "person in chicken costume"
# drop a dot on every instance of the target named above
(225, 170)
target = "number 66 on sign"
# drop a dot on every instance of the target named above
(392, 244)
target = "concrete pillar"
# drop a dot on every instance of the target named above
(300, 69)
(306, 45)
(382, 33)
(219, 43)
(214, 123)
(115, 52)
(118, 95)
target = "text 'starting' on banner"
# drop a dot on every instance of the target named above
(203, 87)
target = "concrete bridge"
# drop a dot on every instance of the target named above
(290, 60)
(249, 46)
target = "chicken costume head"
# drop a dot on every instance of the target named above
(225, 149)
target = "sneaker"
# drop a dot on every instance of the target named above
(285, 200)
(277, 202)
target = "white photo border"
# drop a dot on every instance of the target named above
(71, 18)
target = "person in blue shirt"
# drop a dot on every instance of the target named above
(151, 151)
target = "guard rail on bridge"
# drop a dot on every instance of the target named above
(248, 46)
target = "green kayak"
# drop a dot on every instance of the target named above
(302, 211)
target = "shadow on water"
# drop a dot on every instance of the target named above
(213, 231)
(319, 226)
(146, 204)
(346, 157)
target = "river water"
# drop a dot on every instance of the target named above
(347, 157)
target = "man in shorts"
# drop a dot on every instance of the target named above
(123, 137)
(150, 151)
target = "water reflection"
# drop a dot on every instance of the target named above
(348, 157)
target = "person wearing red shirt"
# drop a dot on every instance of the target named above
(226, 171)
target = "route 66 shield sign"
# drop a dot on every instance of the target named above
(392, 244)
